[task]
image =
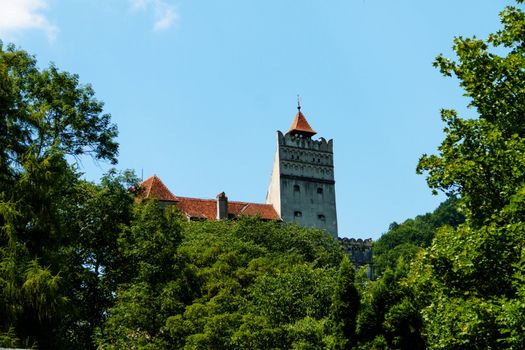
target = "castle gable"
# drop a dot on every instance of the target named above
(153, 187)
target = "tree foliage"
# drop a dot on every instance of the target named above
(47, 111)
(345, 305)
(405, 240)
(469, 282)
(481, 159)
(389, 318)
(243, 284)
(45, 116)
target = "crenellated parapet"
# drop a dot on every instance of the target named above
(299, 141)
(358, 243)
(360, 252)
(304, 157)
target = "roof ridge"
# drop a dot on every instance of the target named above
(214, 200)
(239, 202)
(197, 199)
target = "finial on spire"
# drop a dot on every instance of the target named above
(298, 102)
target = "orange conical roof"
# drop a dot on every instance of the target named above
(153, 187)
(301, 126)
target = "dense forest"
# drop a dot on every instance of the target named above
(86, 266)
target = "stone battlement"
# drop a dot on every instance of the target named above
(358, 243)
(360, 252)
(294, 140)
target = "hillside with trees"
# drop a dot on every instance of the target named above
(87, 266)
(405, 240)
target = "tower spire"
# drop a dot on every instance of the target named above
(300, 126)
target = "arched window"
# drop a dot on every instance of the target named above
(321, 217)
(297, 214)
(320, 190)
(296, 188)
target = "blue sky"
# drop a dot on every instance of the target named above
(199, 88)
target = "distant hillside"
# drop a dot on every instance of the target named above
(406, 239)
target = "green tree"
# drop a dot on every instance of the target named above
(481, 159)
(389, 318)
(470, 281)
(408, 238)
(345, 305)
(94, 221)
(45, 116)
(221, 284)
(152, 284)
(48, 111)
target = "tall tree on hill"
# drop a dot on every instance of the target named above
(481, 159)
(93, 223)
(470, 282)
(45, 116)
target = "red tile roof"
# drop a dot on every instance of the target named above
(265, 211)
(154, 188)
(300, 125)
(196, 208)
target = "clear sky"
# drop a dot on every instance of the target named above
(199, 88)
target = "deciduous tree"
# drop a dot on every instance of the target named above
(470, 281)
(46, 116)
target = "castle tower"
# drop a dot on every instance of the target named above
(302, 186)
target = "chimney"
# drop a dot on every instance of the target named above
(222, 206)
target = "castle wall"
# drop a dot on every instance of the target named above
(360, 252)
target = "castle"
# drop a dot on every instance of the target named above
(301, 190)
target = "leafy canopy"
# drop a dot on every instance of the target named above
(470, 283)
